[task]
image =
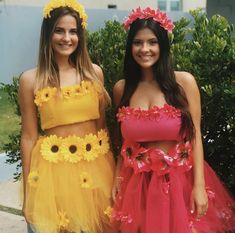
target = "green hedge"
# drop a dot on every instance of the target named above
(206, 48)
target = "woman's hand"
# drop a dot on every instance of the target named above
(116, 187)
(199, 201)
(24, 213)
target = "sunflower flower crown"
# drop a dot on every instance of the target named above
(53, 4)
(147, 13)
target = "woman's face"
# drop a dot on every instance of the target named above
(65, 36)
(145, 48)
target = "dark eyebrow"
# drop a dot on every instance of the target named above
(59, 27)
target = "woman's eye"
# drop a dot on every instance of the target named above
(74, 32)
(153, 42)
(58, 30)
(136, 42)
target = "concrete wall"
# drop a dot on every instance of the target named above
(193, 4)
(225, 8)
(121, 4)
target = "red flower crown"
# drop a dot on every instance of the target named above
(147, 13)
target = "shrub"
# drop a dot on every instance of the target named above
(12, 148)
(210, 56)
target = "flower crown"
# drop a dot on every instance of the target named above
(147, 13)
(53, 4)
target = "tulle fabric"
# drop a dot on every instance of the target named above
(153, 203)
(58, 200)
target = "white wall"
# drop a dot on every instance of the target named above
(121, 4)
(92, 4)
(193, 4)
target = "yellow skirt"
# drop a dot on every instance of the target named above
(69, 184)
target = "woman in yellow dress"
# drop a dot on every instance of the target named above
(66, 159)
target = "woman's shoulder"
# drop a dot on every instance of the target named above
(189, 85)
(119, 86)
(185, 79)
(27, 78)
(98, 72)
(118, 90)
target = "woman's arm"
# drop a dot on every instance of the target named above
(117, 95)
(101, 122)
(29, 132)
(199, 200)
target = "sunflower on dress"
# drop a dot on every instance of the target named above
(63, 220)
(77, 90)
(71, 149)
(67, 92)
(51, 149)
(44, 95)
(108, 211)
(103, 141)
(86, 86)
(86, 181)
(90, 148)
(33, 178)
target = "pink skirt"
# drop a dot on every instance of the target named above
(155, 194)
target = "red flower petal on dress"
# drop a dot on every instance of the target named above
(141, 160)
(127, 152)
(154, 113)
(182, 156)
(122, 217)
(159, 163)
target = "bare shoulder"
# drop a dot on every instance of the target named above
(98, 72)
(27, 79)
(184, 78)
(186, 81)
(118, 90)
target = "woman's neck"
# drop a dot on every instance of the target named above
(147, 75)
(63, 63)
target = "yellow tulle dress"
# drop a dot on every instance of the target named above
(70, 180)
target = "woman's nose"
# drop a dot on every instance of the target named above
(66, 36)
(144, 47)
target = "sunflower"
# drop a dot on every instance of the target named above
(37, 99)
(63, 220)
(71, 149)
(103, 141)
(33, 178)
(86, 180)
(67, 92)
(51, 148)
(77, 90)
(53, 4)
(86, 86)
(45, 95)
(108, 211)
(90, 148)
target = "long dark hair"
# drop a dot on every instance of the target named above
(163, 73)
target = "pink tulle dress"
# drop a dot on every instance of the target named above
(156, 185)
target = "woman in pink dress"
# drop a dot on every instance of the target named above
(163, 184)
